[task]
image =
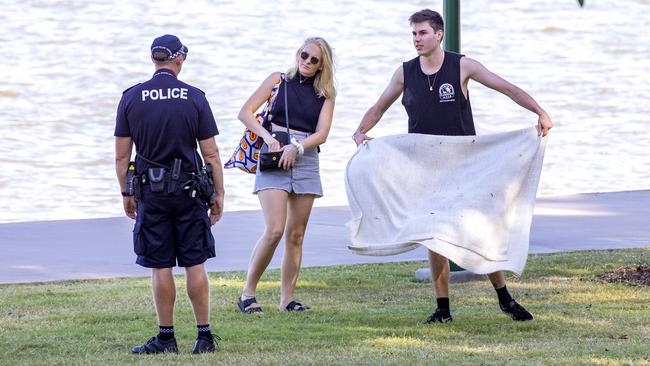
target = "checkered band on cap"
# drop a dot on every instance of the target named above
(170, 55)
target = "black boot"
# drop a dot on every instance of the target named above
(516, 311)
(206, 344)
(156, 345)
(440, 316)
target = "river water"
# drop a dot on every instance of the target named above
(67, 63)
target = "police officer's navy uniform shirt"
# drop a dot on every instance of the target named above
(435, 104)
(165, 117)
(304, 104)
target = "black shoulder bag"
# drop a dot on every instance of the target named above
(271, 160)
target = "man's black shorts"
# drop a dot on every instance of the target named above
(170, 228)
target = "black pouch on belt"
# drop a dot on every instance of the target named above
(156, 179)
(137, 185)
(174, 176)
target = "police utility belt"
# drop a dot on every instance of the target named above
(165, 179)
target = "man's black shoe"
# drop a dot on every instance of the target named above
(156, 345)
(516, 311)
(206, 344)
(440, 316)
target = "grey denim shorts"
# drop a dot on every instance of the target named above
(303, 178)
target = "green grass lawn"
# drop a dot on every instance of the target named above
(363, 314)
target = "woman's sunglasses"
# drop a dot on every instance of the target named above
(313, 59)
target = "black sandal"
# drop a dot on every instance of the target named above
(243, 305)
(292, 306)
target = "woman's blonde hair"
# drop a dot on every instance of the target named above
(324, 82)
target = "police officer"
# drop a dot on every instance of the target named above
(164, 117)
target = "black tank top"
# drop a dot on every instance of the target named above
(436, 105)
(304, 104)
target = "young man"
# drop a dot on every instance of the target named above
(435, 96)
(164, 118)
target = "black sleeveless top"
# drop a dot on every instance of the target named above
(304, 104)
(436, 105)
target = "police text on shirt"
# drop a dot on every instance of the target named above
(161, 94)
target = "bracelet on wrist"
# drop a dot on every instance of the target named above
(298, 146)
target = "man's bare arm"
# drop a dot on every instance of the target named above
(123, 149)
(472, 69)
(210, 153)
(374, 114)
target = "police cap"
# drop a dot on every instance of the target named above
(167, 47)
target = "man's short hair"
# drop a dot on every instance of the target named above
(427, 15)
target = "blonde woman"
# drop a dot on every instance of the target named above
(287, 194)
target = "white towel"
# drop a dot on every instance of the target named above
(469, 198)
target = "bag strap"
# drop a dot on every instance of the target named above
(275, 91)
(286, 105)
(271, 101)
(151, 162)
(196, 161)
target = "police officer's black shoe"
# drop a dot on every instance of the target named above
(516, 311)
(440, 316)
(206, 344)
(156, 345)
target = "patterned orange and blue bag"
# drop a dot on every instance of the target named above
(247, 152)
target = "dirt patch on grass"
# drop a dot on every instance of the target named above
(638, 275)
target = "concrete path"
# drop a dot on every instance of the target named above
(101, 248)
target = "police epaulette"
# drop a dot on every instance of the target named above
(199, 90)
(131, 87)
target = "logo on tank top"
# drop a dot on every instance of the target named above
(446, 93)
